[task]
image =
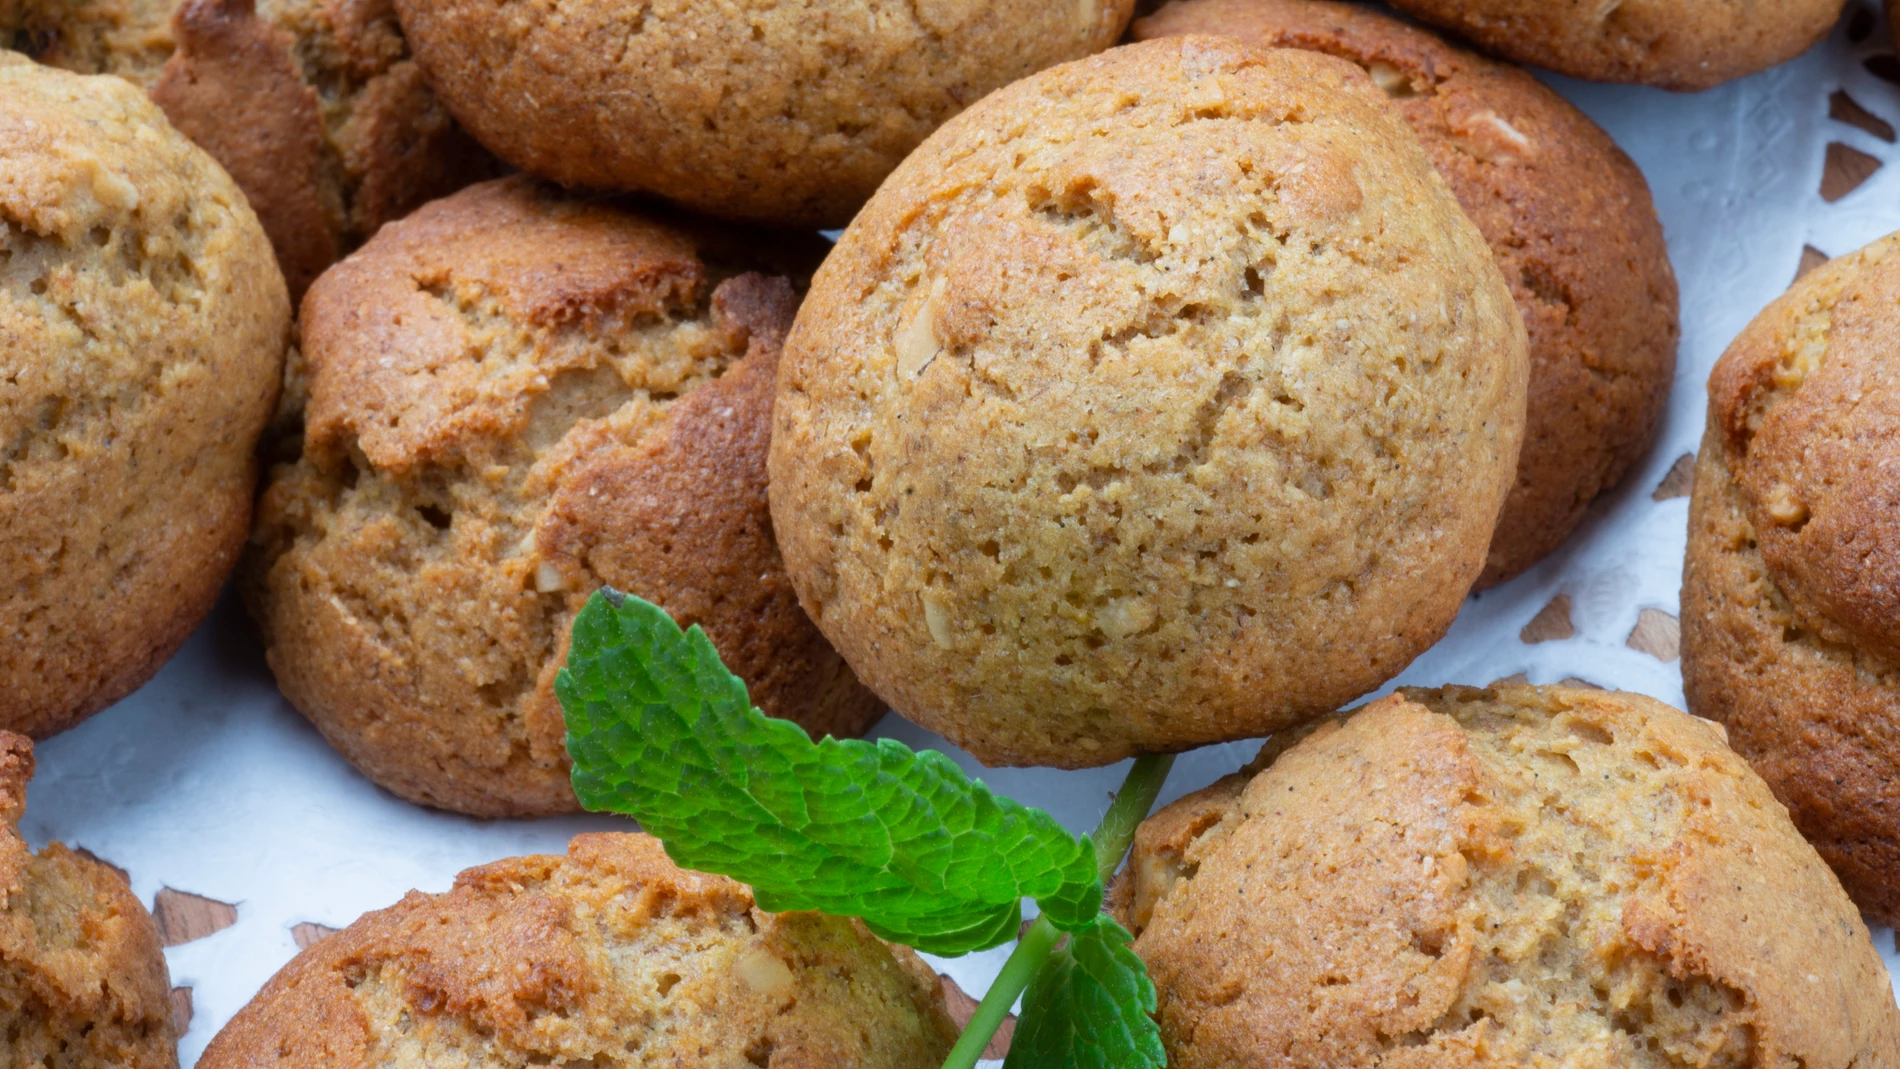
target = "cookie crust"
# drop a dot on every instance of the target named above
(787, 113)
(1510, 876)
(144, 321)
(1569, 219)
(1685, 45)
(82, 978)
(1789, 603)
(514, 398)
(608, 952)
(1090, 432)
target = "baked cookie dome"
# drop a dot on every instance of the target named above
(610, 953)
(83, 983)
(1685, 45)
(314, 106)
(514, 398)
(144, 324)
(1162, 398)
(790, 112)
(1791, 591)
(1507, 877)
(1568, 218)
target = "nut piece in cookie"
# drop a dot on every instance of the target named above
(790, 112)
(144, 324)
(1685, 45)
(82, 978)
(609, 955)
(1568, 218)
(514, 398)
(1163, 398)
(1791, 591)
(1514, 876)
(314, 106)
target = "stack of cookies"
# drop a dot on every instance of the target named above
(1153, 396)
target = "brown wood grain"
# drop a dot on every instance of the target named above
(1658, 634)
(186, 918)
(1551, 624)
(962, 1007)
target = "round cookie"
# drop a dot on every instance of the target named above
(83, 983)
(314, 106)
(514, 398)
(1791, 590)
(609, 955)
(790, 112)
(1515, 876)
(1162, 398)
(1685, 45)
(144, 324)
(1569, 220)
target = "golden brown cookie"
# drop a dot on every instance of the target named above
(1569, 219)
(1162, 398)
(1791, 592)
(144, 322)
(314, 106)
(516, 397)
(790, 112)
(1685, 45)
(82, 979)
(609, 955)
(1506, 877)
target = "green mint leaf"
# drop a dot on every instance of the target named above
(1090, 1006)
(659, 730)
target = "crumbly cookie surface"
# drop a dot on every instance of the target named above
(82, 979)
(1791, 591)
(515, 397)
(607, 956)
(1162, 398)
(144, 323)
(789, 113)
(315, 107)
(1684, 45)
(1568, 218)
(1514, 876)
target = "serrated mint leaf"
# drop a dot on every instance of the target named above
(659, 730)
(1090, 1006)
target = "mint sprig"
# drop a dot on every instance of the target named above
(1090, 1006)
(661, 731)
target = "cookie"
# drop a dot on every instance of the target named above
(609, 955)
(314, 106)
(1791, 590)
(82, 979)
(1568, 218)
(1163, 398)
(790, 112)
(1515, 876)
(1685, 45)
(144, 324)
(516, 397)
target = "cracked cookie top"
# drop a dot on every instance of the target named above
(1162, 398)
(83, 983)
(1675, 44)
(1512, 876)
(516, 396)
(609, 955)
(1569, 219)
(143, 322)
(786, 112)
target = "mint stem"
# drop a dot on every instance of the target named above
(1113, 836)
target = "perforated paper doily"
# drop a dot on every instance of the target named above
(250, 835)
